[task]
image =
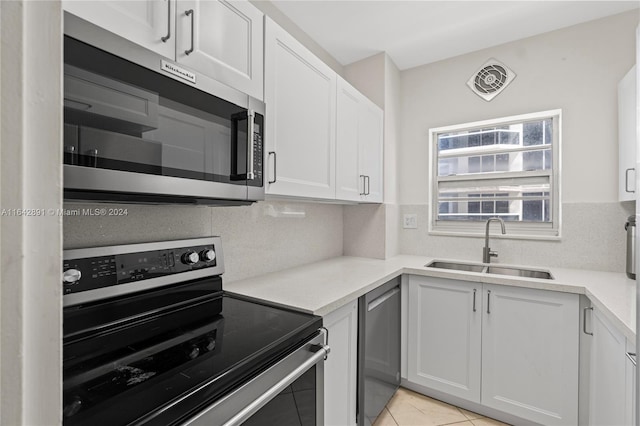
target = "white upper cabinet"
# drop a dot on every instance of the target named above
(359, 139)
(349, 181)
(149, 23)
(370, 143)
(300, 139)
(224, 40)
(627, 138)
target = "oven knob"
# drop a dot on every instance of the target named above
(71, 276)
(207, 255)
(190, 258)
(193, 353)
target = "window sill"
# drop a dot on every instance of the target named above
(493, 235)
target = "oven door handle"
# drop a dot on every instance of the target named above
(225, 411)
(252, 408)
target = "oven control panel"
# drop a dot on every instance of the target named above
(95, 272)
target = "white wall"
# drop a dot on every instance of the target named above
(283, 20)
(392, 120)
(576, 69)
(31, 177)
(371, 230)
(368, 76)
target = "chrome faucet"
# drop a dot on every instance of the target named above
(487, 254)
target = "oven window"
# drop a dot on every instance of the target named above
(294, 406)
(121, 116)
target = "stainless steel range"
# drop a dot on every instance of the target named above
(151, 338)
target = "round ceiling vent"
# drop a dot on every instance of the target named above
(491, 79)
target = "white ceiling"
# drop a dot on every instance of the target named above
(419, 32)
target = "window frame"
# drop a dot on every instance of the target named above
(516, 230)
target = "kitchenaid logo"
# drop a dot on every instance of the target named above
(180, 72)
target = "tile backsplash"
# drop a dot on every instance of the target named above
(260, 238)
(270, 236)
(593, 237)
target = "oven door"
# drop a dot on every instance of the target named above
(137, 134)
(289, 393)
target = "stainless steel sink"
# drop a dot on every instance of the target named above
(519, 272)
(469, 267)
(491, 269)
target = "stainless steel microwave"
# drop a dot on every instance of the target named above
(141, 128)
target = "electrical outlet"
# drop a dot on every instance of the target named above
(410, 221)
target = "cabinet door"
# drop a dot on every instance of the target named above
(370, 142)
(340, 368)
(530, 353)
(349, 182)
(608, 373)
(630, 393)
(149, 23)
(300, 97)
(224, 40)
(444, 335)
(627, 119)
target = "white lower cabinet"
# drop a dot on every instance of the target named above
(340, 368)
(630, 384)
(445, 330)
(530, 353)
(611, 378)
(509, 348)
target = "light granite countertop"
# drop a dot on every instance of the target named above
(322, 287)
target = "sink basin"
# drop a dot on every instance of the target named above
(491, 269)
(469, 267)
(519, 272)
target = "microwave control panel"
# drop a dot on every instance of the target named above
(105, 271)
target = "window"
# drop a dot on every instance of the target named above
(506, 168)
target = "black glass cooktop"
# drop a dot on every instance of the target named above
(125, 360)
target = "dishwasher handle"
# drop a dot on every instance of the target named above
(381, 299)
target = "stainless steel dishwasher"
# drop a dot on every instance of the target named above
(378, 349)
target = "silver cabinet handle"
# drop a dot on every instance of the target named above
(381, 299)
(632, 358)
(364, 179)
(474, 300)
(191, 13)
(275, 171)
(368, 180)
(250, 146)
(488, 301)
(168, 36)
(584, 320)
(626, 180)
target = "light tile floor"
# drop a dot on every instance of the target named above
(408, 408)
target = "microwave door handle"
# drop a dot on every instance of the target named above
(236, 144)
(250, 145)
